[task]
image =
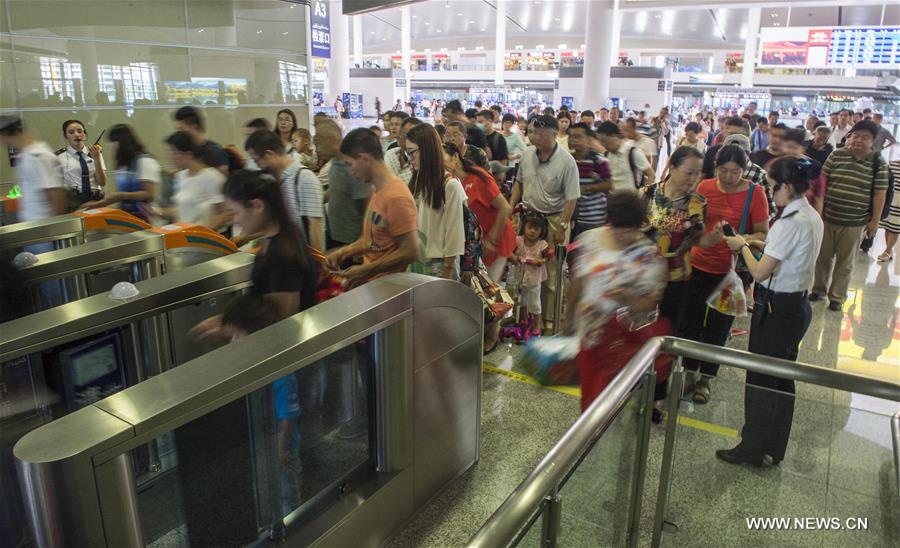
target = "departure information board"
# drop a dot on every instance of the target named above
(837, 47)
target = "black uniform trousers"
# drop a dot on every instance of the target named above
(779, 322)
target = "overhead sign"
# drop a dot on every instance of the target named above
(400, 82)
(320, 29)
(835, 47)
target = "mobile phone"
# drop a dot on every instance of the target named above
(726, 228)
(97, 142)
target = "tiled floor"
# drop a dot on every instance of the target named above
(838, 465)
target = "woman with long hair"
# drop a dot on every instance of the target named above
(137, 174)
(285, 124)
(439, 198)
(493, 213)
(284, 271)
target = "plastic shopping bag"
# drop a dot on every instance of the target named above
(729, 297)
(552, 360)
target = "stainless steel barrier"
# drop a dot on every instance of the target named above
(144, 250)
(508, 524)
(427, 345)
(66, 228)
(895, 437)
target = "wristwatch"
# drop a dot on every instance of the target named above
(564, 225)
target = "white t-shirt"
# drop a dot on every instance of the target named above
(646, 145)
(441, 231)
(794, 240)
(37, 170)
(620, 165)
(837, 134)
(197, 195)
(148, 169)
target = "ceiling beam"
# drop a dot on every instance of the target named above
(643, 5)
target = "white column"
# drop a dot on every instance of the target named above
(357, 40)
(615, 32)
(750, 46)
(500, 43)
(405, 40)
(598, 54)
(339, 64)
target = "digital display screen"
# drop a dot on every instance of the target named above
(93, 364)
(837, 47)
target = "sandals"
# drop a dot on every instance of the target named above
(885, 257)
(701, 391)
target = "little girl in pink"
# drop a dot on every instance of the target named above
(531, 250)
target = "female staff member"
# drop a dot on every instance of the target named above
(137, 174)
(781, 312)
(283, 271)
(285, 124)
(439, 198)
(736, 201)
(84, 172)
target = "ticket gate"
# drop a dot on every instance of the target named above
(423, 341)
(76, 272)
(67, 230)
(56, 361)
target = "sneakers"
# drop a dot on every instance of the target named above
(814, 297)
(835, 306)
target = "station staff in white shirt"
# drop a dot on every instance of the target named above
(781, 313)
(84, 171)
(37, 172)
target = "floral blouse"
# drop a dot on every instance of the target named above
(675, 226)
(638, 268)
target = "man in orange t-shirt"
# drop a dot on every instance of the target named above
(389, 241)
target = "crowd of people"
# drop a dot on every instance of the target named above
(783, 208)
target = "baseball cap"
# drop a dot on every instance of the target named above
(740, 140)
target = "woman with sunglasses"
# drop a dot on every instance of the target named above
(781, 312)
(734, 201)
(439, 199)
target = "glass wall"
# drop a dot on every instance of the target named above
(107, 62)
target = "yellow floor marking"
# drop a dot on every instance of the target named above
(574, 391)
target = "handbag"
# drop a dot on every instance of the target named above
(730, 296)
(496, 300)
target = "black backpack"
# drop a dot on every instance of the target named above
(889, 193)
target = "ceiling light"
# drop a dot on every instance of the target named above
(285, 33)
(774, 15)
(384, 39)
(439, 30)
(471, 22)
(371, 32)
(415, 16)
(443, 49)
(479, 48)
(561, 46)
(427, 23)
(259, 31)
(482, 29)
(459, 14)
(460, 49)
(201, 30)
(581, 46)
(658, 16)
(557, 19)
(427, 50)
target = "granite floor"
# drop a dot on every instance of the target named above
(838, 463)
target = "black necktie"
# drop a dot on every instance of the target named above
(85, 177)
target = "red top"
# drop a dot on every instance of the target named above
(728, 207)
(481, 189)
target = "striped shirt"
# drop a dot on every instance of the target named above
(592, 205)
(848, 193)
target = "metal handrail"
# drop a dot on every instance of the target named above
(521, 505)
(895, 436)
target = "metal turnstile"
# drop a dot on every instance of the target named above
(59, 360)
(77, 272)
(421, 341)
(67, 230)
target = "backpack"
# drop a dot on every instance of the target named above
(889, 193)
(304, 225)
(638, 179)
(235, 161)
(473, 232)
